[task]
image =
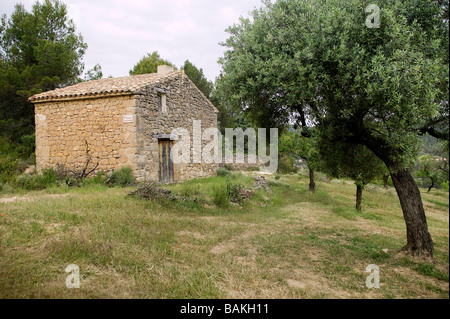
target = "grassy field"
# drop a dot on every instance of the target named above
(287, 244)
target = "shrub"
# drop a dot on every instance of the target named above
(222, 171)
(189, 190)
(234, 193)
(122, 177)
(286, 165)
(98, 179)
(220, 195)
(47, 178)
(27, 146)
(228, 167)
(8, 168)
(445, 186)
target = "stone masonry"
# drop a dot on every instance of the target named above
(122, 121)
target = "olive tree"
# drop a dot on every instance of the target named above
(324, 63)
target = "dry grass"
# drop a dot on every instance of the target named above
(289, 244)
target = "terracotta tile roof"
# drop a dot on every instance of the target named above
(128, 84)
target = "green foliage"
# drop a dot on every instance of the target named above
(149, 64)
(39, 51)
(317, 60)
(122, 177)
(445, 186)
(196, 75)
(223, 171)
(220, 195)
(230, 115)
(15, 158)
(293, 144)
(234, 192)
(286, 165)
(95, 73)
(353, 161)
(99, 179)
(432, 169)
(46, 179)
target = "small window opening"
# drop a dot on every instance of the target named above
(162, 106)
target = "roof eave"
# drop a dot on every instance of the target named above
(80, 97)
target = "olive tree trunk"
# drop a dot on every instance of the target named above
(312, 184)
(418, 238)
(386, 180)
(433, 183)
(359, 191)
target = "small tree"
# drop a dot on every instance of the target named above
(196, 75)
(301, 147)
(433, 168)
(39, 51)
(353, 161)
(149, 64)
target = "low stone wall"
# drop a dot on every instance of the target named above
(243, 166)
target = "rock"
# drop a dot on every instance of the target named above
(260, 182)
(385, 250)
(238, 194)
(30, 169)
(151, 192)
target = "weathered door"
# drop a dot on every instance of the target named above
(165, 162)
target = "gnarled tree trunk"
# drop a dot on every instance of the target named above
(433, 183)
(312, 184)
(359, 191)
(386, 180)
(418, 238)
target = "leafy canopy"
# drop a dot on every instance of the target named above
(149, 64)
(316, 63)
(39, 51)
(198, 77)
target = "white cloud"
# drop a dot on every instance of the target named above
(120, 32)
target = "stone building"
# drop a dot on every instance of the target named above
(125, 121)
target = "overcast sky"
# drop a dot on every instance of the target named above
(120, 32)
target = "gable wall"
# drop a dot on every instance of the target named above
(185, 103)
(62, 127)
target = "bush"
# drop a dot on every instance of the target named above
(98, 179)
(220, 195)
(445, 186)
(223, 172)
(122, 177)
(234, 193)
(46, 179)
(27, 146)
(286, 165)
(228, 167)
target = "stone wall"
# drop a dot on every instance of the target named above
(184, 104)
(62, 127)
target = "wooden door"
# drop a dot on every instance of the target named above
(165, 162)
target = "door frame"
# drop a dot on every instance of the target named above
(166, 167)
